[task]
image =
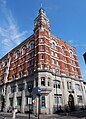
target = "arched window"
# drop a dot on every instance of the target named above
(76, 76)
(42, 81)
(5, 62)
(53, 44)
(63, 49)
(71, 53)
(42, 56)
(71, 97)
(57, 71)
(57, 84)
(23, 50)
(31, 45)
(49, 81)
(57, 62)
(17, 54)
(78, 87)
(42, 65)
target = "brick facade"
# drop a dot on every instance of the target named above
(40, 55)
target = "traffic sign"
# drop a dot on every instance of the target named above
(29, 100)
(39, 90)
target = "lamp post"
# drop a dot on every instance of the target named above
(56, 86)
(38, 105)
(57, 96)
(29, 99)
(39, 93)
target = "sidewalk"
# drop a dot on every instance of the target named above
(42, 116)
(19, 114)
(77, 114)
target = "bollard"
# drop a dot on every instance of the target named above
(14, 114)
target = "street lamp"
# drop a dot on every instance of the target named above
(29, 99)
(38, 94)
(56, 86)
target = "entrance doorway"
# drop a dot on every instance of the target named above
(71, 102)
(3, 102)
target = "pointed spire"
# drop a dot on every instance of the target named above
(41, 10)
(41, 5)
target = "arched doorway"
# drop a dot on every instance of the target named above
(71, 102)
(3, 101)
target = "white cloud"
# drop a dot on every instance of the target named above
(10, 36)
(75, 44)
(71, 41)
(3, 3)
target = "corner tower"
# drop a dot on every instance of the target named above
(41, 22)
(42, 37)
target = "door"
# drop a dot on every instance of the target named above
(71, 103)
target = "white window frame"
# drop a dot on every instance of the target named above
(23, 50)
(53, 61)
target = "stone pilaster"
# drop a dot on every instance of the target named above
(23, 98)
(65, 94)
(7, 103)
(83, 94)
(75, 93)
(14, 96)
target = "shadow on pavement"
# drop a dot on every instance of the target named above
(78, 114)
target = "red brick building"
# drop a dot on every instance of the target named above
(42, 60)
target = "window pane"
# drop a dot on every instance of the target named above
(79, 99)
(43, 102)
(42, 81)
(19, 99)
(52, 61)
(57, 62)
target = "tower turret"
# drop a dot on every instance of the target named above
(42, 39)
(41, 21)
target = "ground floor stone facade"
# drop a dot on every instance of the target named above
(57, 91)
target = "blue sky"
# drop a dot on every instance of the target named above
(67, 19)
